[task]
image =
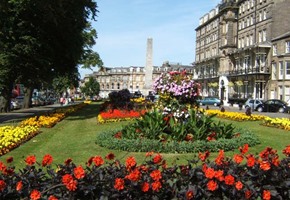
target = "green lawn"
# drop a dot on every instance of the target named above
(75, 136)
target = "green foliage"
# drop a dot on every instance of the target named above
(91, 88)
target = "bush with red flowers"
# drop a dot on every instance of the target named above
(244, 176)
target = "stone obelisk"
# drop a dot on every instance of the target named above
(148, 67)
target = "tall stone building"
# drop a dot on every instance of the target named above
(242, 50)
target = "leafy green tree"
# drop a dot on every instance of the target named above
(91, 88)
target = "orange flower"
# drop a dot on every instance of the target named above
(229, 180)
(266, 195)
(110, 156)
(35, 195)
(2, 185)
(156, 175)
(79, 172)
(149, 154)
(251, 161)
(2, 167)
(51, 197)
(119, 184)
(219, 175)
(209, 173)
(69, 182)
(47, 160)
(245, 149)
(157, 158)
(156, 186)
(212, 185)
(90, 161)
(286, 151)
(134, 176)
(265, 165)
(238, 158)
(98, 160)
(19, 185)
(239, 185)
(130, 163)
(204, 156)
(68, 161)
(30, 160)
(145, 187)
(189, 194)
(220, 158)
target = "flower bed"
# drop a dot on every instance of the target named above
(282, 123)
(244, 176)
(117, 115)
(11, 137)
(237, 116)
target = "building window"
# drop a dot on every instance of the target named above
(260, 36)
(281, 70)
(113, 86)
(247, 40)
(248, 21)
(260, 16)
(264, 35)
(252, 20)
(108, 87)
(287, 50)
(274, 49)
(274, 71)
(264, 14)
(118, 86)
(287, 69)
(251, 39)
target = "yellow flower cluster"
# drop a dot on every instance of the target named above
(11, 137)
(282, 123)
(43, 121)
(138, 100)
(87, 101)
(235, 115)
(102, 121)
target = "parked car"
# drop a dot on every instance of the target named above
(273, 105)
(14, 105)
(209, 101)
(20, 100)
(252, 103)
(37, 101)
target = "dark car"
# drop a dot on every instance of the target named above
(209, 101)
(273, 105)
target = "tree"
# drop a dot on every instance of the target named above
(91, 88)
(37, 36)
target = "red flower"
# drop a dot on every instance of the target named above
(248, 194)
(189, 194)
(2, 185)
(118, 135)
(119, 184)
(30, 160)
(220, 158)
(157, 158)
(2, 167)
(51, 197)
(19, 185)
(68, 161)
(145, 187)
(110, 156)
(69, 182)
(229, 180)
(90, 161)
(239, 185)
(265, 165)
(98, 160)
(134, 176)
(156, 175)
(238, 158)
(209, 173)
(204, 156)
(266, 195)
(79, 172)
(35, 195)
(130, 163)
(212, 185)
(245, 149)
(9, 159)
(251, 161)
(156, 186)
(286, 151)
(47, 160)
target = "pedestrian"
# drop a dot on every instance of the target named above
(61, 101)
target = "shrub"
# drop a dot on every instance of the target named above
(244, 176)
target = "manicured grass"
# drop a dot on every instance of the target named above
(75, 136)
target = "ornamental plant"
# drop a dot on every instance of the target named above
(119, 115)
(244, 176)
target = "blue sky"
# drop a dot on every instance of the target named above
(123, 27)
